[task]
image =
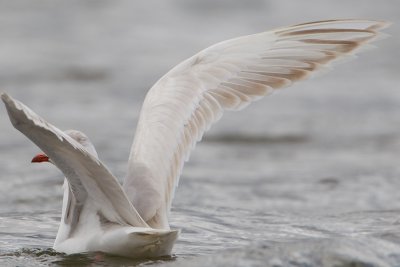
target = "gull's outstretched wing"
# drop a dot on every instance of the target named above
(87, 176)
(184, 103)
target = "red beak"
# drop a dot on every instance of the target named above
(40, 158)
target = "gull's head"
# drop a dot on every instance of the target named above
(79, 137)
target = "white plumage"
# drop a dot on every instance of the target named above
(132, 220)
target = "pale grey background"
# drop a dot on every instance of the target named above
(311, 171)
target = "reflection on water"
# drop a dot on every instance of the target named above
(307, 177)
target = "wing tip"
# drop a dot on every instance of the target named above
(6, 98)
(13, 109)
(380, 25)
(373, 26)
(376, 22)
(9, 102)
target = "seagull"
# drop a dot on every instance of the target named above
(131, 220)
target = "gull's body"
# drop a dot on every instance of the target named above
(131, 220)
(83, 227)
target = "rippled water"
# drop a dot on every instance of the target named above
(307, 177)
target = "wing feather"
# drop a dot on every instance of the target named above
(184, 103)
(86, 174)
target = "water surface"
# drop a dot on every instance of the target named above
(307, 177)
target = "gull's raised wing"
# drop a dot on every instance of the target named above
(87, 176)
(185, 102)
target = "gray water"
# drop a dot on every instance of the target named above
(306, 177)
